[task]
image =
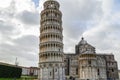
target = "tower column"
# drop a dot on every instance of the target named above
(51, 46)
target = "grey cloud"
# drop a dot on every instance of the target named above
(80, 10)
(28, 40)
(29, 18)
(27, 44)
(5, 27)
(74, 30)
(8, 12)
(106, 37)
(8, 30)
(13, 43)
(77, 15)
(25, 47)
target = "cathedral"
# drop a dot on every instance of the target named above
(84, 64)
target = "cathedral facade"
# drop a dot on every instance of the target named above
(86, 64)
(54, 64)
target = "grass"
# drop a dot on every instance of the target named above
(22, 78)
(10, 79)
(16, 79)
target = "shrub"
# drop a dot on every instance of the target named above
(10, 71)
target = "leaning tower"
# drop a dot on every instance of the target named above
(51, 61)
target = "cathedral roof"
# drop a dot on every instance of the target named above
(84, 47)
(82, 41)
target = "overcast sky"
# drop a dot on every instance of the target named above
(98, 21)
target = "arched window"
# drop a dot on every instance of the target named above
(89, 62)
(98, 72)
(76, 71)
(50, 73)
(55, 70)
(59, 50)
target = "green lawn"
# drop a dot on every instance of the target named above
(16, 79)
(9, 79)
(22, 78)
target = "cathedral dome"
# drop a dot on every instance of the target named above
(82, 41)
(84, 48)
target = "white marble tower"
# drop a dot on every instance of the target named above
(51, 56)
